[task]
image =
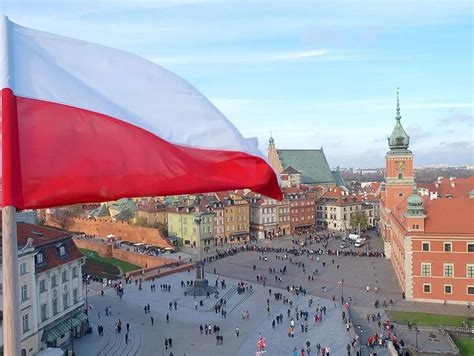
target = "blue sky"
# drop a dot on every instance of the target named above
(314, 73)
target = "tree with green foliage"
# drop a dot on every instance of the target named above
(359, 217)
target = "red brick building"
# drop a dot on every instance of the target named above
(429, 242)
(302, 202)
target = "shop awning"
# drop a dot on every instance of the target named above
(63, 327)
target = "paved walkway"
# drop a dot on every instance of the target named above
(183, 327)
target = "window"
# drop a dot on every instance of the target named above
(470, 271)
(400, 194)
(74, 295)
(447, 247)
(39, 258)
(426, 269)
(44, 315)
(65, 276)
(448, 289)
(65, 299)
(23, 269)
(470, 247)
(55, 306)
(62, 250)
(24, 293)
(400, 175)
(448, 269)
(26, 326)
(74, 272)
(54, 281)
(426, 288)
(42, 285)
(426, 246)
(470, 290)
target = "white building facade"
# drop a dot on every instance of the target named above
(51, 301)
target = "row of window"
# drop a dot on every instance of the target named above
(54, 304)
(309, 218)
(302, 203)
(319, 207)
(448, 270)
(448, 289)
(447, 247)
(54, 279)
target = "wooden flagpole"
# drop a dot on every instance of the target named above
(11, 300)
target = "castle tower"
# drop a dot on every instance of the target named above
(399, 177)
(273, 157)
(415, 215)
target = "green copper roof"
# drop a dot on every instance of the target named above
(340, 182)
(312, 164)
(399, 139)
(123, 204)
(102, 210)
(415, 203)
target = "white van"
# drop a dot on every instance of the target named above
(353, 237)
(359, 243)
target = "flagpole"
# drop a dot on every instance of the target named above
(11, 300)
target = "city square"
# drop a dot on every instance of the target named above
(233, 178)
(185, 321)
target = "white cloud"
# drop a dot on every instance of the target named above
(240, 57)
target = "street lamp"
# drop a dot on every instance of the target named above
(417, 331)
(342, 289)
(72, 333)
(87, 304)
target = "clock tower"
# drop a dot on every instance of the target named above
(399, 179)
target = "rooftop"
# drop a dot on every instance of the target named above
(312, 164)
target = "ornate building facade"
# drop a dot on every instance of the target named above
(429, 242)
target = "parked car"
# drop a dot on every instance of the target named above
(345, 244)
(359, 243)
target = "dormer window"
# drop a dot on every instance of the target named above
(61, 249)
(39, 258)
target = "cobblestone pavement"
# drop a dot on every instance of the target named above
(183, 327)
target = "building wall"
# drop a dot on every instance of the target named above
(283, 217)
(274, 159)
(183, 226)
(303, 213)
(236, 219)
(459, 258)
(108, 249)
(122, 230)
(157, 217)
(219, 228)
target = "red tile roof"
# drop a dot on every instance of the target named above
(341, 196)
(455, 187)
(450, 216)
(47, 239)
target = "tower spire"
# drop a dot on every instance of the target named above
(398, 117)
(271, 141)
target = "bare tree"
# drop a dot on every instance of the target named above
(61, 217)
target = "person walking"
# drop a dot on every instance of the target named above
(170, 342)
(167, 318)
(166, 344)
(152, 320)
(126, 339)
(237, 331)
(128, 327)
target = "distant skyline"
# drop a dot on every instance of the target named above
(314, 73)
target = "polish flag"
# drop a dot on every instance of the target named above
(86, 123)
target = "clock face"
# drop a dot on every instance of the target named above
(400, 165)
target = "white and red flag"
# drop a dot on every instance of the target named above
(83, 122)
